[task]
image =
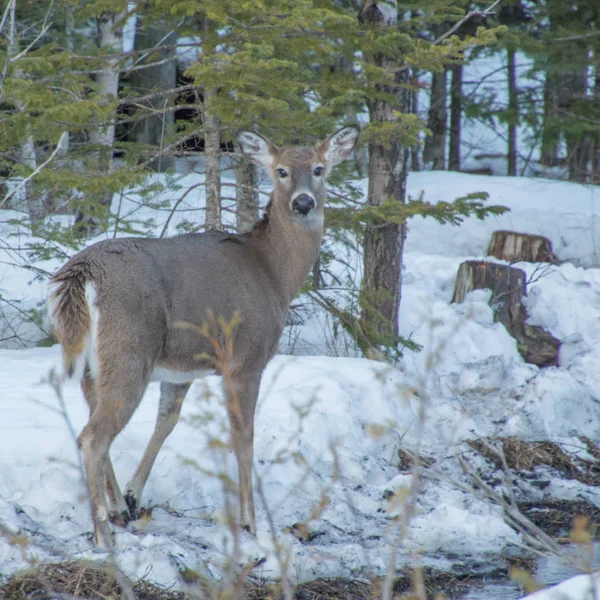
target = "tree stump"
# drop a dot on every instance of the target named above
(508, 286)
(514, 247)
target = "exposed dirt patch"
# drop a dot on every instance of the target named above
(523, 456)
(332, 589)
(556, 517)
(81, 580)
(435, 582)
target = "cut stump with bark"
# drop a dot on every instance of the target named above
(512, 246)
(508, 286)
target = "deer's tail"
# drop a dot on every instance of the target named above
(74, 317)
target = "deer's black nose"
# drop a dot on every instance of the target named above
(303, 204)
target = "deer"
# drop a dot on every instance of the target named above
(117, 307)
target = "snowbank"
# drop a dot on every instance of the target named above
(328, 430)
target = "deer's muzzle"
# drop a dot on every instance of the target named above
(303, 204)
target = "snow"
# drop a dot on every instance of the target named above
(566, 213)
(328, 430)
(582, 587)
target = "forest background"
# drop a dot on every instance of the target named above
(97, 96)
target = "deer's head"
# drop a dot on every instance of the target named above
(299, 173)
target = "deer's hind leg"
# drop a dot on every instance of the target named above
(117, 508)
(116, 394)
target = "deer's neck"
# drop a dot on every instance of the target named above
(290, 249)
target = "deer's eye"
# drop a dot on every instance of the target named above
(282, 173)
(318, 171)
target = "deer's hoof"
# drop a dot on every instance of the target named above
(120, 519)
(132, 505)
(103, 536)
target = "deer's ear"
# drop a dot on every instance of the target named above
(256, 148)
(338, 147)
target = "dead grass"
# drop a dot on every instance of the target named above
(91, 581)
(523, 456)
(556, 517)
(77, 579)
(334, 589)
(407, 461)
(438, 584)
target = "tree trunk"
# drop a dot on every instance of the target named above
(36, 205)
(549, 154)
(455, 117)
(92, 220)
(508, 286)
(212, 138)
(35, 199)
(572, 89)
(107, 85)
(246, 195)
(155, 122)
(595, 149)
(212, 157)
(415, 151)
(70, 43)
(345, 65)
(513, 112)
(515, 247)
(361, 161)
(10, 33)
(383, 243)
(434, 152)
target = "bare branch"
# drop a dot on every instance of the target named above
(174, 208)
(5, 15)
(45, 27)
(529, 530)
(176, 90)
(158, 45)
(472, 13)
(21, 54)
(57, 150)
(574, 38)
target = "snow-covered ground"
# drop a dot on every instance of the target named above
(582, 587)
(328, 430)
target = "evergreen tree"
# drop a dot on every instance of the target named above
(391, 46)
(292, 68)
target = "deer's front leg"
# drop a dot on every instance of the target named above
(241, 392)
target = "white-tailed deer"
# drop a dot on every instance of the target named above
(117, 308)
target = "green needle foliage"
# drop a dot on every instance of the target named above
(293, 69)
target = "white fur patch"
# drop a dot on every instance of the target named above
(91, 345)
(341, 145)
(173, 376)
(256, 148)
(313, 220)
(51, 302)
(89, 353)
(101, 513)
